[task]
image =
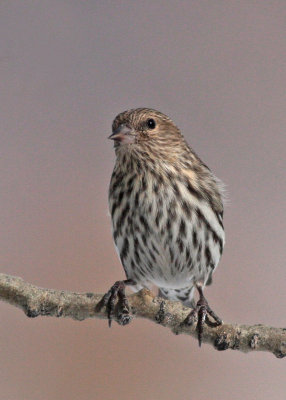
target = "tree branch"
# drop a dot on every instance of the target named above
(35, 301)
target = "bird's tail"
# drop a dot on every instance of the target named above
(185, 295)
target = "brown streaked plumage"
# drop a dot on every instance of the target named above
(166, 208)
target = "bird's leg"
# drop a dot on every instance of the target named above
(202, 311)
(117, 291)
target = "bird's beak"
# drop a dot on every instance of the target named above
(123, 135)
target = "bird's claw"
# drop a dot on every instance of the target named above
(116, 292)
(201, 313)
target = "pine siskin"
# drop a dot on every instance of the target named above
(166, 208)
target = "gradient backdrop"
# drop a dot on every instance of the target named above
(67, 68)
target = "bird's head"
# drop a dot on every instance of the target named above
(143, 126)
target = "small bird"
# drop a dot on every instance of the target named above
(167, 214)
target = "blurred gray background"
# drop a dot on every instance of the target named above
(217, 68)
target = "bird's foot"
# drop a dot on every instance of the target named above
(201, 312)
(117, 292)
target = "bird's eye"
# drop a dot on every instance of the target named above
(151, 123)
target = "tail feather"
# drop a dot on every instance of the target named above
(184, 295)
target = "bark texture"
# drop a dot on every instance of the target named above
(36, 301)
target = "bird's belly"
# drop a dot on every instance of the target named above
(174, 253)
(163, 237)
